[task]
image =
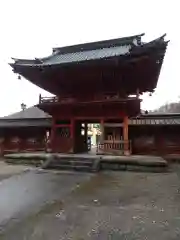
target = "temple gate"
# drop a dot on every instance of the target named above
(95, 82)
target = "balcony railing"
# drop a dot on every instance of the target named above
(48, 99)
(56, 99)
(118, 147)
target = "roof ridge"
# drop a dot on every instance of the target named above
(96, 44)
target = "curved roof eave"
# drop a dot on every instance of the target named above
(137, 52)
(40, 62)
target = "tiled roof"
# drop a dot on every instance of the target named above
(29, 113)
(14, 123)
(88, 55)
(30, 117)
(92, 51)
(116, 52)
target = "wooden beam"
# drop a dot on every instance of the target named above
(62, 125)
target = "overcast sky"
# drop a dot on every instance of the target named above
(30, 28)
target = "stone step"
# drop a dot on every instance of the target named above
(134, 167)
(71, 167)
(69, 164)
(63, 161)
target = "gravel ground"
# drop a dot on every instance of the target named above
(7, 170)
(110, 205)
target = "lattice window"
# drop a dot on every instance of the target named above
(64, 132)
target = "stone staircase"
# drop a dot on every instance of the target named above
(77, 164)
(90, 162)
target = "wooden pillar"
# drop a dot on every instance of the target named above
(99, 144)
(72, 135)
(85, 137)
(102, 131)
(72, 128)
(52, 136)
(125, 136)
(86, 130)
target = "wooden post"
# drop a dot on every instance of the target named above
(72, 128)
(102, 131)
(72, 133)
(52, 136)
(85, 137)
(125, 136)
(101, 139)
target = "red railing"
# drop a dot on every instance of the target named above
(118, 148)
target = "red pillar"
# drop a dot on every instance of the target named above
(52, 136)
(102, 131)
(100, 143)
(125, 136)
(72, 133)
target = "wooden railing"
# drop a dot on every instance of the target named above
(118, 148)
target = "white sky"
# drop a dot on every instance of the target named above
(30, 28)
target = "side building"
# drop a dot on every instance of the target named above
(24, 131)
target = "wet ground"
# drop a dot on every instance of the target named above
(7, 170)
(108, 205)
